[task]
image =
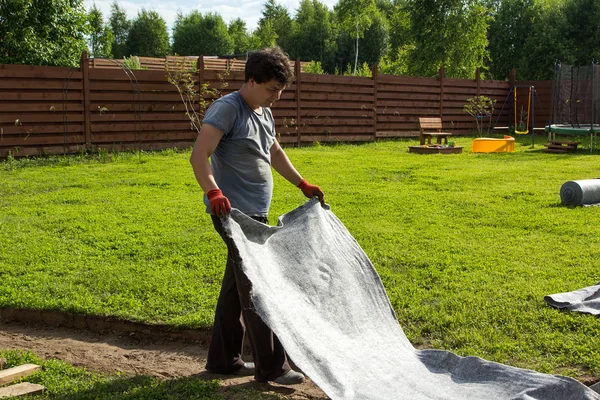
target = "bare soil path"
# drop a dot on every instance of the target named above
(133, 355)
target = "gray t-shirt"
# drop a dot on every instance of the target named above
(241, 163)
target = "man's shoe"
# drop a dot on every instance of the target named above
(246, 369)
(290, 378)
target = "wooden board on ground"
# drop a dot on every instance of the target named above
(434, 150)
(21, 389)
(10, 374)
(557, 146)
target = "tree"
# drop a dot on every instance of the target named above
(239, 35)
(42, 32)
(375, 41)
(401, 43)
(547, 42)
(316, 41)
(508, 33)
(346, 51)
(280, 22)
(452, 33)
(101, 37)
(148, 35)
(480, 108)
(355, 16)
(530, 36)
(400, 35)
(264, 36)
(120, 27)
(385, 7)
(196, 34)
(582, 28)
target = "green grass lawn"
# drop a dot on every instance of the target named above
(466, 244)
(66, 382)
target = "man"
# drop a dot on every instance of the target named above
(238, 134)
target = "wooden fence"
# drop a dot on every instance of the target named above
(58, 110)
(158, 64)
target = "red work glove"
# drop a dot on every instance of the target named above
(311, 191)
(219, 204)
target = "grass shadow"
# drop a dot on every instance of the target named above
(143, 387)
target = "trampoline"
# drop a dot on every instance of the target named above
(575, 101)
(573, 130)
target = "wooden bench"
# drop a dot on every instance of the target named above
(431, 126)
(557, 146)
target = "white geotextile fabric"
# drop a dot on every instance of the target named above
(318, 291)
(584, 192)
(586, 300)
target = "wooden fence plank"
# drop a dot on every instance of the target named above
(106, 107)
(136, 97)
(407, 80)
(44, 117)
(336, 130)
(366, 121)
(336, 97)
(39, 140)
(39, 107)
(336, 105)
(335, 138)
(127, 117)
(145, 137)
(47, 84)
(336, 79)
(406, 104)
(127, 86)
(34, 71)
(29, 130)
(39, 150)
(141, 126)
(383, 95)
(386, 87)
(334, 88)
(127, 76)
(40, 96)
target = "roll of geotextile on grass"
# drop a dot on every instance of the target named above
(582, 192)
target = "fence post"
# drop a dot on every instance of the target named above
(298, 73)
(512, 80)
(441, 79)
(374, 76)
(512, 77)
(478, 80)
(200, 72)
(84, 66)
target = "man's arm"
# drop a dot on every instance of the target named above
(282, 164)
(206, 143)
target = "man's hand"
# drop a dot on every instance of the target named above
(311, 191)
(219, 204)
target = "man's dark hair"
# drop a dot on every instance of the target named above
(268, 64)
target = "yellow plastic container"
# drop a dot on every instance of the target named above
(491, 145)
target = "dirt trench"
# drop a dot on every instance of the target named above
(164, 356)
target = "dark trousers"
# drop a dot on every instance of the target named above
(234, 315)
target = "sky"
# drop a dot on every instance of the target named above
(248, 10)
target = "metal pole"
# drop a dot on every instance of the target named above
(531, 97)
(594, 101)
